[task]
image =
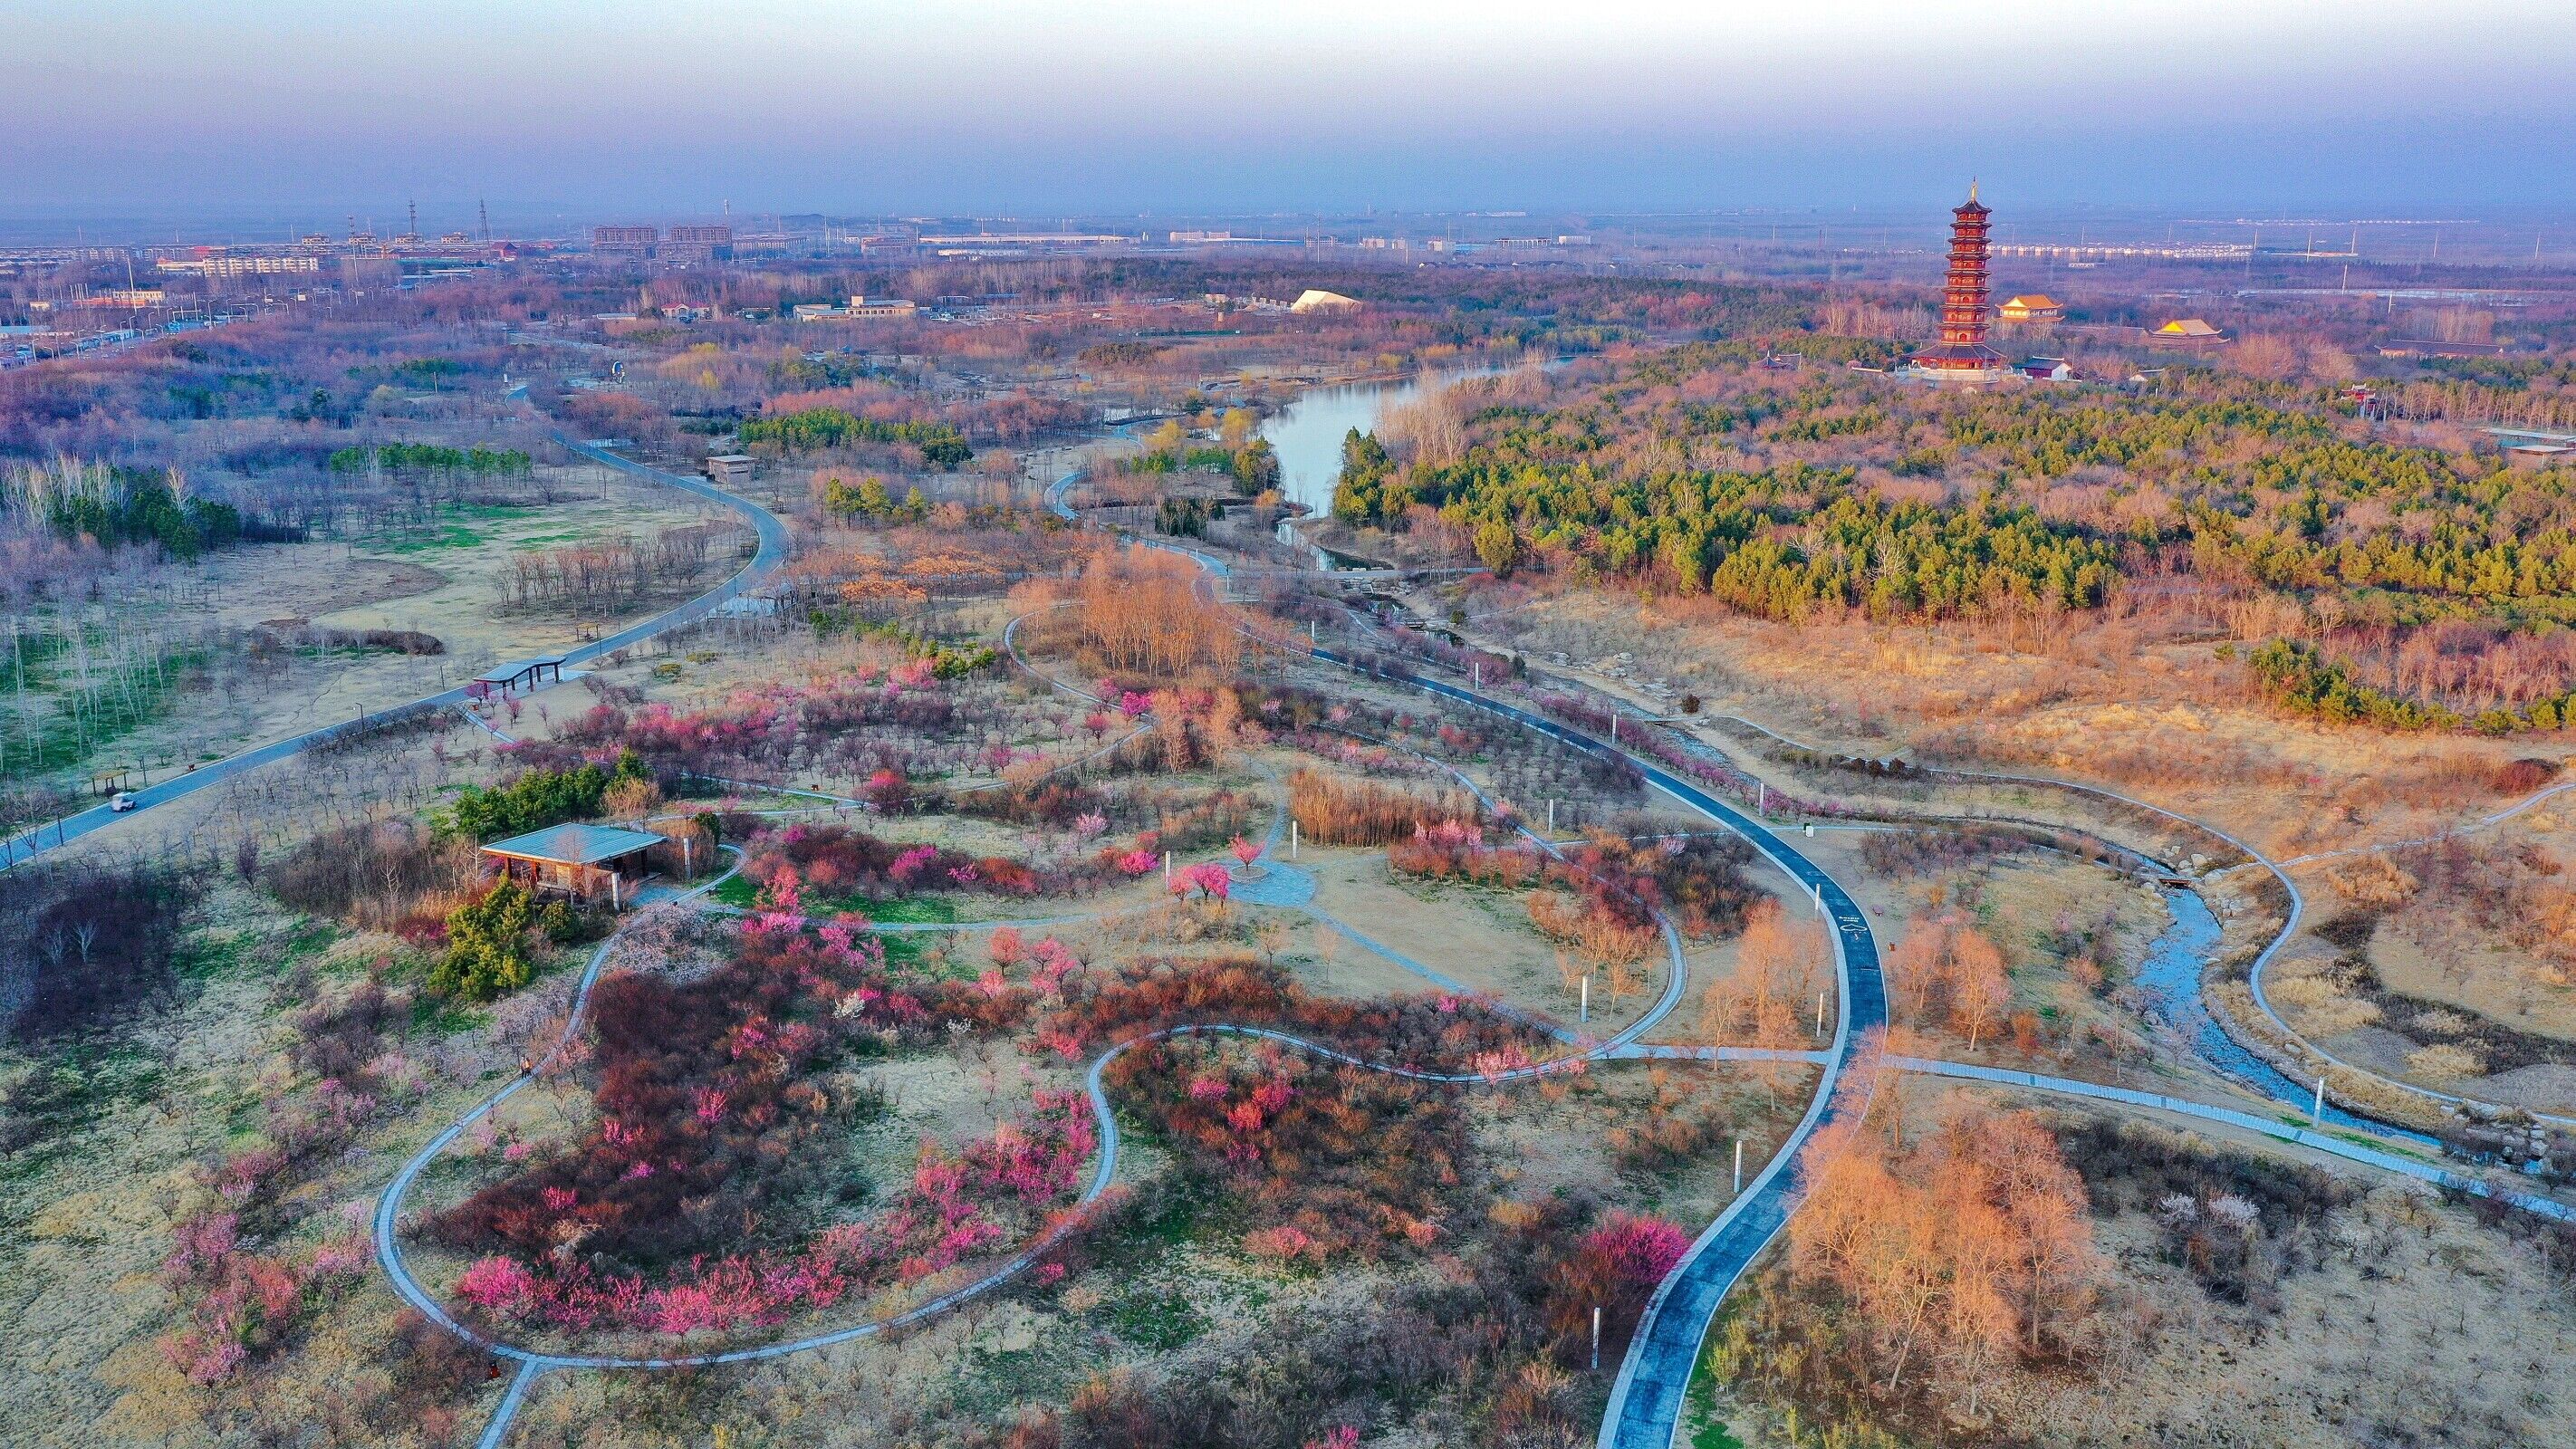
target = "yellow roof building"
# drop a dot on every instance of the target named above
(2036, 307)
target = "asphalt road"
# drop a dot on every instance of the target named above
(771, 553)
(1646, 1401)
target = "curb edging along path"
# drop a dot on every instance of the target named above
(1644, 1410)
(771, 552)
(1645, 1403)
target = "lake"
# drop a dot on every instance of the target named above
(1308, 433)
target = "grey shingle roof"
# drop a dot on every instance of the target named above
(575, 844)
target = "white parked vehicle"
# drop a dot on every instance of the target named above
(121, 801)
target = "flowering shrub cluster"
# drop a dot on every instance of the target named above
(241, 1304)
(945, 1214)
(1327, 1158)
(1699, 880)
(706, 1090)
(1456, 850)
(835, 860)
(1211, 880)
(1330, 811)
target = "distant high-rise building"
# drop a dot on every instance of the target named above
(633, 241)
(1962, 354)
(697, 243)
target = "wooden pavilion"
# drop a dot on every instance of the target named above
(581, 863)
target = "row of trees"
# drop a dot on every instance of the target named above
(942, 446)
(611, 574)
(1956, 1259)
(1776, 543)
(538, 798)
(407, 458)
(116, 505)
(1141, 613)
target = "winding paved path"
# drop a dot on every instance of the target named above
(765, 560)
(1645, 1404)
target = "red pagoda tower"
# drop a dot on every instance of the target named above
(1962, 354)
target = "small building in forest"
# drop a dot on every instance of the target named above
(582, 863)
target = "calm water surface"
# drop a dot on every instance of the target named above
(1308, 433)
(2171, 977)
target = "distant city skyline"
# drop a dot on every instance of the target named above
(291, 110)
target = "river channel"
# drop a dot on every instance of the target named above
(2171, 978)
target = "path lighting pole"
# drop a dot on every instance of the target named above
(1820, 1016)
(1551, 816)
(2317, 1115)
(1739, 1167)
(1167, 867)
(1292, 840)
(1587, 999)
(1596, 1338)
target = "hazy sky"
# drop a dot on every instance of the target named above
(307, 110)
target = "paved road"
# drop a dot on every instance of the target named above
(2319, 1059)
(2334, 1143)
(772, 552)
(1645, 1404)
(1646, 1401)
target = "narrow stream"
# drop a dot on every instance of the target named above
(2170, 976)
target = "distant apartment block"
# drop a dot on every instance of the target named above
(697, 243)
(634, 241)
(218, 267)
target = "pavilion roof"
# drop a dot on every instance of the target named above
(575, 844)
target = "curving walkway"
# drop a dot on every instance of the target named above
(1646, 1400)
(1284, 881)
(765, 560)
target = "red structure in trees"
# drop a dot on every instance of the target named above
(1962, 354)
